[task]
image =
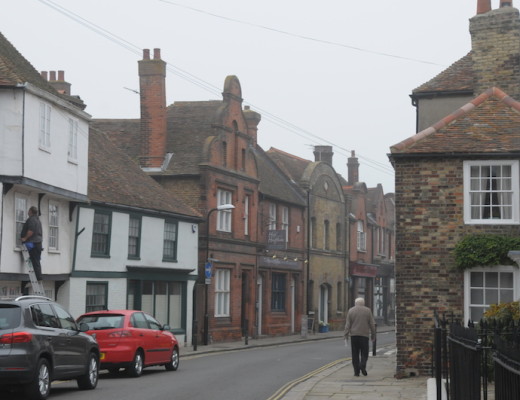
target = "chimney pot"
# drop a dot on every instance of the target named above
(146, 54)
(483, 6)
(61, 75)
(44, 75)
(53, 76)
(156, 54)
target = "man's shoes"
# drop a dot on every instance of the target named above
(364, 371)
(356, 374)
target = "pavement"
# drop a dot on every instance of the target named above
(336, 380)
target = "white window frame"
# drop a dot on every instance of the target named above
(361, 237)
(224, 216)
(45, 126)
(500, 269)
(285, 222)
(272, 217)
(54, 226)
(222, 292)
(20, 213)
(512, 192)
(73, 141)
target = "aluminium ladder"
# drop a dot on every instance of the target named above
(36, 285)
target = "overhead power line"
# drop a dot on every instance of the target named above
(299, 36)
(278, 121)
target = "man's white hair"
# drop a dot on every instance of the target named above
(360, 301)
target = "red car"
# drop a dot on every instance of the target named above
(132, 340)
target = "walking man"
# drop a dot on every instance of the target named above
(360, 326)
(32, 237)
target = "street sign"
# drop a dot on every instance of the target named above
(207, 272)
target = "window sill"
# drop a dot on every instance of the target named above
(45, 149)
(100, 256)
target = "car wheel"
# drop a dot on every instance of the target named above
(174, 362)
(136, 368)
(90, 379)
(40, 387)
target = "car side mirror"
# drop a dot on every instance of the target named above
(166, 328)
(83, 327)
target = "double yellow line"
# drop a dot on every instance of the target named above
(284, 389)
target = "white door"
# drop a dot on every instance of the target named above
(324, 304)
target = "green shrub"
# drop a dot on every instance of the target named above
(484, 250)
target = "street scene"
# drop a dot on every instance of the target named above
(159, 242)
(260, 371)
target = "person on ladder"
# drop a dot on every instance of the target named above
(32, 237)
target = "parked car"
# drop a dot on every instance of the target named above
(133, 340)
(41, 342)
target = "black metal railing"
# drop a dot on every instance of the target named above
(506, 364)
(465, 359)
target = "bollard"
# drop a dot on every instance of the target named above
(374, 343)
(194, 334)
(246, 336)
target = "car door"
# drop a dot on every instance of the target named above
(52, 338)
(75, 349)
(161, 341)
(144, 336)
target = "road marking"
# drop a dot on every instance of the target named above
(288, 386)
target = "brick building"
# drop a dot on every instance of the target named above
(371, 244)
(326, 269)
(457, 177)
(206, 153)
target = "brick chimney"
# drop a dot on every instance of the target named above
(483, 6)
(152, 75)
(353, 169)
(252, 119)
(323, 153)
(496, 48)
(57, 83)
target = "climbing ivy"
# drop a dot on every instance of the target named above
(484, 250)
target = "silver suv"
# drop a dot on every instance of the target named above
(40, 342)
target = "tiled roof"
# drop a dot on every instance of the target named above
(190, 123)
(274, 183)
(116, 179)
(15, 69)
(124, 133)
(488, 124)
(290, 164)
(457, 77)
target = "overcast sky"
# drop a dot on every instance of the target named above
(333, 72)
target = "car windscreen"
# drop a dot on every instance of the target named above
(9, 316)
(102, 321)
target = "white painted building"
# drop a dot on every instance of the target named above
(43, 163)
(136, 245)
